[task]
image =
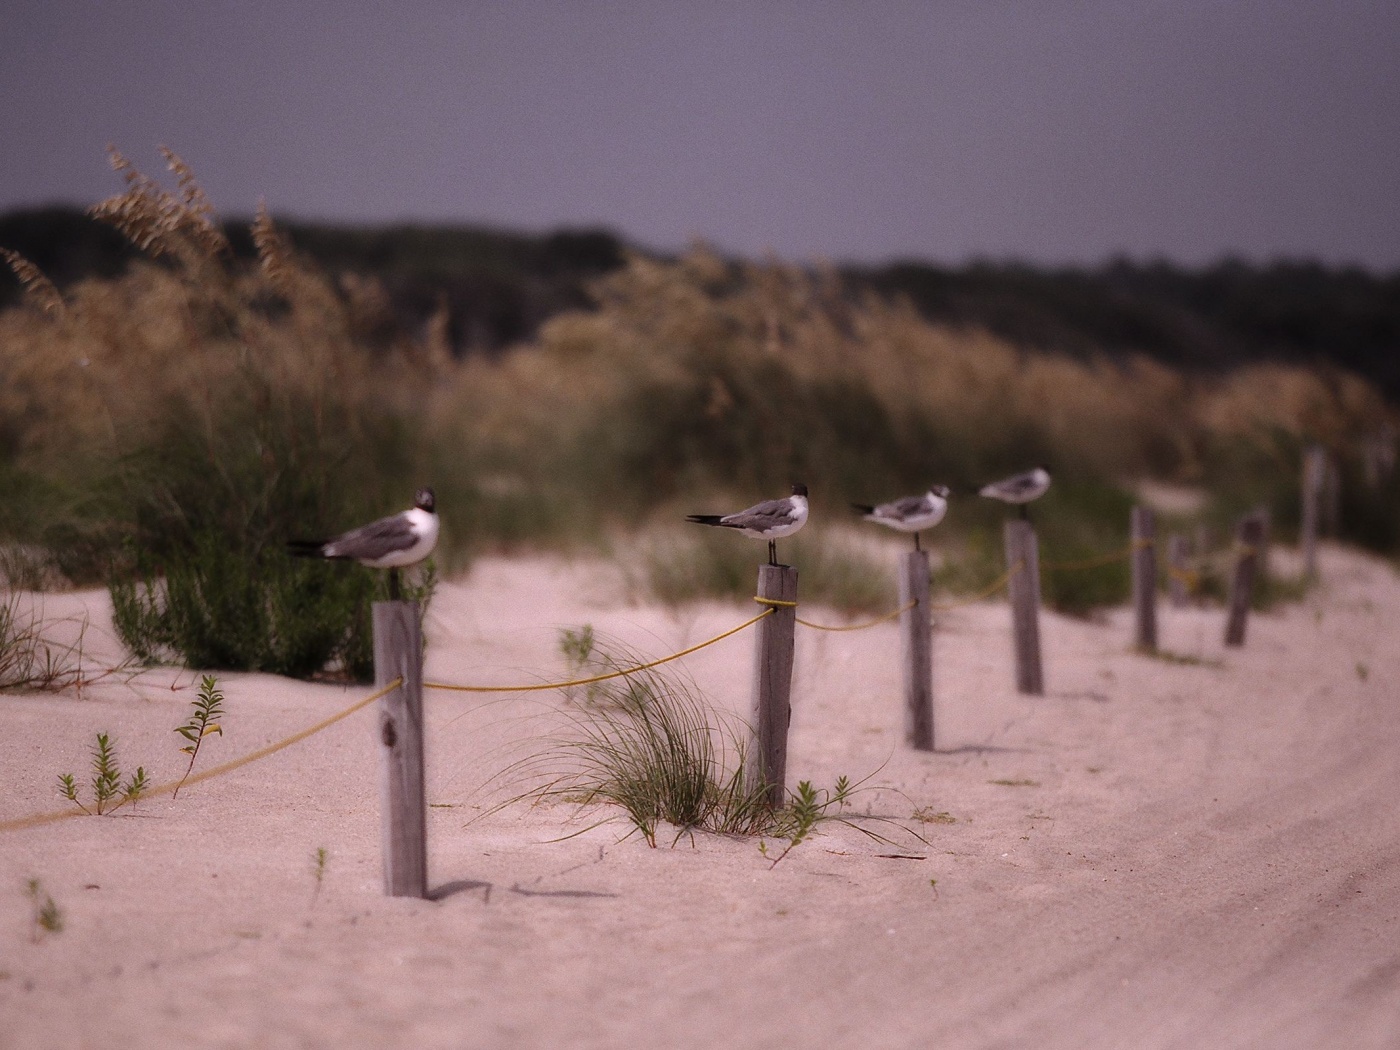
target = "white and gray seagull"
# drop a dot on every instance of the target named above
(1019, 489)
(392, 543)
(770, 520)
(910, 513)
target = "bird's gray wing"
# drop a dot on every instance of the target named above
(763, 515)
(378, 538)
(907, 507)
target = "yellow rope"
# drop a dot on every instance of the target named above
(775, 603)
(1190, 577)
(596, 678)
(169, 787)
(1098, 560)
(862, 626)
(991, 589)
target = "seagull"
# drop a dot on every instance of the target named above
(1019, 488)
(390, 543)
(770, 520)
(911, 513)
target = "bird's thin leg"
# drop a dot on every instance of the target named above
(395, 591)
(1025, 514)
(916, 542)
(772, 552)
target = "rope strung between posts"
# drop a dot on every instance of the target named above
(861, 626)
(169, 787)
(539, 686)
(986, 592)
(1099, 559)
(1194, 577)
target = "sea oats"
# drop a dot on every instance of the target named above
(156, 220)
(38, 289)
(274, 253)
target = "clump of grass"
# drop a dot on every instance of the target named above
(208, 709)
(108, 790)
(652, 745)
(45, 916)
(27, 660)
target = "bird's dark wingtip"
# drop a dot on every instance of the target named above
(305, 548)
(861, 508)
(704, 519)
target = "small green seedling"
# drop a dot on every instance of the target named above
(208, 707)
(318, 868)
(46, 916)
(108, 791)
(580, 652)
(808, 807)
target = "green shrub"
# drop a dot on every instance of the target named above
(218, 608)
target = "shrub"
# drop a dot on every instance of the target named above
(218, 608)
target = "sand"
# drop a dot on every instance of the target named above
(1155, 854)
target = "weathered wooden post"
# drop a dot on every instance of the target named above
(1332, 498)
(1247, 538)
(1144, 530)
(1178, 570)
(398, 653)
(772, 689)
(1023, 562)
(916, 650)
(1314, 473)
(1266, 521)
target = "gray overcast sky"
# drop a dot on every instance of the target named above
(1048, 130)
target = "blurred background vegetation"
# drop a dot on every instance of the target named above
(178, 391)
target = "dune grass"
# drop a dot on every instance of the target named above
(197, 396)
(650, 744)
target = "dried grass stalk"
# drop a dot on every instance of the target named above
(38, 289)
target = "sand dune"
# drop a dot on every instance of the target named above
(1156, 854)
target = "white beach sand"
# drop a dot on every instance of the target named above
(1155, 854)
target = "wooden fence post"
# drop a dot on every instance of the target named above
(1023, 562)
(1144, 530)
(1314, 473)
(916, 650)
(1247, 538)
(1266, 523)
(398, 653)
(1178, 556)
(772, 689)
(1332, 498)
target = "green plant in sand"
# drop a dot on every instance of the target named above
(108, 790)
(318, 869)
(208, 708)
(807, 807)
(45, 916)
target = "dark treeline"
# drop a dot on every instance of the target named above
(495, 288)
(1212, 319)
